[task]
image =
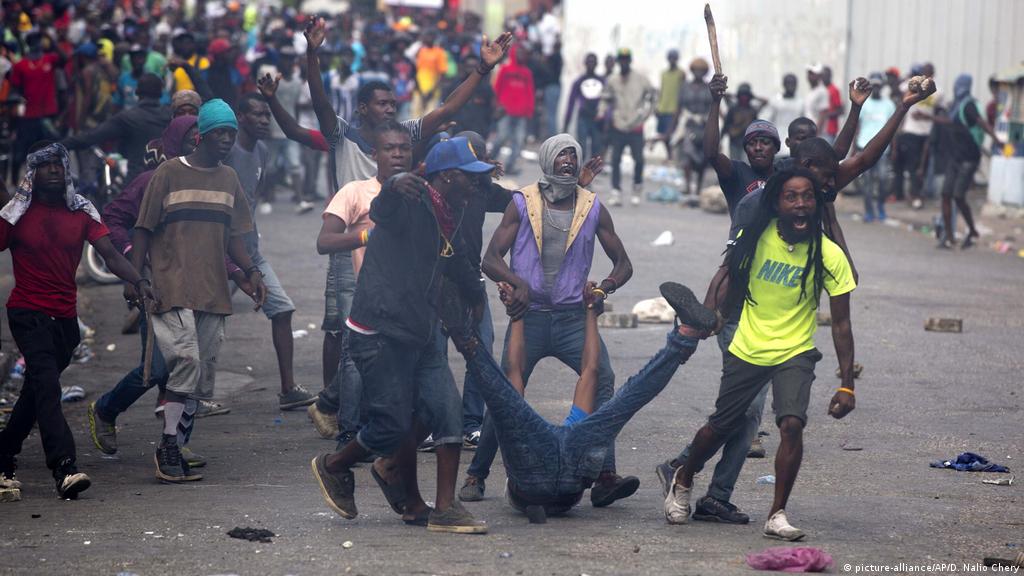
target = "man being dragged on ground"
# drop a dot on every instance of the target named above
(549, 466)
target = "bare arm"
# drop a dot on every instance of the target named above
(325, 115)
(586, 387)
(622, 268)
(291, 128)
(490, 54)
(712, 132)
(333, 237)
(842, 335)
(495, 267)
(860, 89)
(116, 262)
(240, 256)
(850, 169)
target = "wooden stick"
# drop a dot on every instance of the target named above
(713, 38)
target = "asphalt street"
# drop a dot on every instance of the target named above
(865, 493)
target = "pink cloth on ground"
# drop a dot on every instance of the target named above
(791, 559)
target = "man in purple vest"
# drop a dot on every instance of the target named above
(551, 227)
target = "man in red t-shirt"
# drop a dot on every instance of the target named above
(45, 226)
(35, 77)
(835, 106)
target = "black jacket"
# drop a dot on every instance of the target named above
(400, 280)
(132, 129)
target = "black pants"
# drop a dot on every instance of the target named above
(635, 141)
(47, 345)
(909, 149)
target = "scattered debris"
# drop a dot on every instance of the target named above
(999, 481)
(712, 200)
(311, 326)
(296, 334)
(505, 555)
(970, 462)
(795, 559)
(944, 325)
(666, 238)
(111, 347)
(769, 479)
(253, 534)
(654, 311)
(636, 549)
(10, 494)
(347, 544)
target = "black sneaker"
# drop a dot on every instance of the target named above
(338, 490)
(689, 310)
(8, 464)
(70, 482)
(170, 466)
(710, 509)
(613, 487)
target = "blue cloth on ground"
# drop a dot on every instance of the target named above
(576, 414)
(970, 462)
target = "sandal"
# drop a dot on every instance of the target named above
(394, 493)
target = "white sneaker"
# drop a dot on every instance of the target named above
(304, 207)
(265, 208)
(616, 198)
(677, 503)
(638, 190)
(778, 527)
(635, 200)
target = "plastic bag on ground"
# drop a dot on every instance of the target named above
(786, 559)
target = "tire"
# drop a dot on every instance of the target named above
(96, 268)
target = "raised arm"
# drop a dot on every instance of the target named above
(491, 54)
(495, 267)
(712, 132)
(850, 169)
(291, 128)
(843, 402)
(860, 89)
(622, 268)
(316, 31)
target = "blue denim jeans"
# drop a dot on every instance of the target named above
(344, 394)
(403, 382)
(132, 386)
(472, 400)
(547, 462)
(734, 452)
(558, 334)
(590, 137)
(873, 186)
(511, 131)
(552, 93)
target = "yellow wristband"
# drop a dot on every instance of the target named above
(601, 292)
(847, 390)
(364, 237)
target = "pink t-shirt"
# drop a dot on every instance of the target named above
(352, 205)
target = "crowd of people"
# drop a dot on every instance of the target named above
(215, 112)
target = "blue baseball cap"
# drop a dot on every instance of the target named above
(457, 154)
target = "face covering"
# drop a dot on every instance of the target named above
(557, 187)
(19, 204)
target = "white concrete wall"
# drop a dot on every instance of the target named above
(760, 40)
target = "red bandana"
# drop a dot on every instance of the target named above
(443, 213)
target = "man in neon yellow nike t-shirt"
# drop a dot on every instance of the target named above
(778, 268)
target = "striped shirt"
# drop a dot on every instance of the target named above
(191, 213)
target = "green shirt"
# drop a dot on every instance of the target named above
(671, 80)
(781, 324)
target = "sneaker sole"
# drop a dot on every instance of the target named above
(689, 310)
(322, 430)
(624, 490)
(92, 431)
(715, 519)
(327, 498)
(164, 477)
(783, 538)
(72, 492)
(299, 404)
(217, 412)
(457, 529)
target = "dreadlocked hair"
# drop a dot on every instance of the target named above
(740, 258)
